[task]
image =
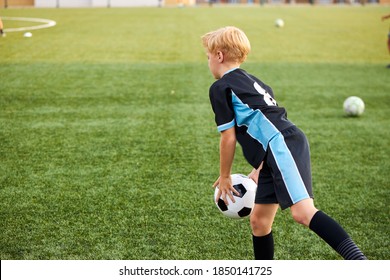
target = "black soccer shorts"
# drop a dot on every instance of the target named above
(286, 174)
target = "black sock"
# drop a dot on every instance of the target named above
(333, 234)
(263, 247)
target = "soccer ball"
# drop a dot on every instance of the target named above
(353, 106)
(244, 202)
(279, 22)
(27, 35)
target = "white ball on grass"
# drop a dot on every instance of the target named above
(353, 106)
(279, 22)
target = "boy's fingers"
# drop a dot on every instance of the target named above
(230, 194)
(219, 194)
(216, 183)
(236, 191)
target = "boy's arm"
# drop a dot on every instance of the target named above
(386, 17)
(226, 156)
(254, 175)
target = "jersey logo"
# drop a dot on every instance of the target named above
(267, 97)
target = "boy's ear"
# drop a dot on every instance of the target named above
(220, 56)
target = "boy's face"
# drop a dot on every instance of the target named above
(214, 63)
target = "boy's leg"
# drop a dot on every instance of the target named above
(388, 42)
(1, 28)
(328, 229)
(290, 160)
(333, 234)
(261, 220)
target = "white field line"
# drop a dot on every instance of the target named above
(47, 23)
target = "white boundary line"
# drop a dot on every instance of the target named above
(47, 23)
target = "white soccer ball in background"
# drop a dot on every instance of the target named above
(279, 22)
(353, 106)
(244, 202)
(27, 35)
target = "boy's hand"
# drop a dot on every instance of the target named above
(226, 188)
(254, 175)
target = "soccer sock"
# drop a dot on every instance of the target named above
(263, 247)
(333, 234)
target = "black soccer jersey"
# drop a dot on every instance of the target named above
(242, 100)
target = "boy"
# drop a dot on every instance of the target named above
(2, 34)
(388, 35)
(246, 111)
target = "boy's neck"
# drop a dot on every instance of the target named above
(229, 68)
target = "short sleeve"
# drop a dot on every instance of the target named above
(221, 103)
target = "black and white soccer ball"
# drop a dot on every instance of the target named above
(244, 202)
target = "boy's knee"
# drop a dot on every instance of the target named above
(303, 211)
(299, 218)
(260, 226)
(303, 217)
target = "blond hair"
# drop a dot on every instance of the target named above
(230, 40)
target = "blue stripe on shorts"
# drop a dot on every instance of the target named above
(288, 169)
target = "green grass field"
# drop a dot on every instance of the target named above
(109, 148)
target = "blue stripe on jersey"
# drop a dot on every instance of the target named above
(226, 126)
(263, 130)
(259, 126)
(288, 169)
